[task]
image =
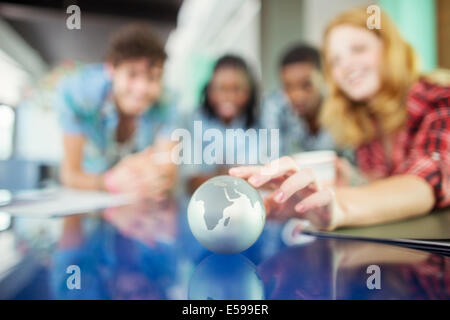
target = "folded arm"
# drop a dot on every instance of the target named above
(71, 172)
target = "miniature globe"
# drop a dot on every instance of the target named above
(226, 277)
(226, 215)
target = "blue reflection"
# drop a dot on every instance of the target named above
(113, 266)
(148, 252)
(226, 277)
(300, 272)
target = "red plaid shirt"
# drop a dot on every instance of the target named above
(422, 148)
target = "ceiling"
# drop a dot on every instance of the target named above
(42, 24)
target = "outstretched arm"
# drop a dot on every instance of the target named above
(394, 198)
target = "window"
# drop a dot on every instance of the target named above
(7, 120)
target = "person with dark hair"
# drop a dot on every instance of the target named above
(229, 101)
(115, 119)
(230, 94)
(295, 108)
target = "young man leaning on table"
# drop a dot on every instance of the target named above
(115, 119)
(397, 121)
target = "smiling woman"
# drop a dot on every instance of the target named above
(397, 121)
(229, 103)
(369, 73)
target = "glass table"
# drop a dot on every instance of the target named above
(146, 251)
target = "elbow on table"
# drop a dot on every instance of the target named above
(66, 177)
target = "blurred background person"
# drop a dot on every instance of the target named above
(115, 119)
(397, 120)
(229, 101)
(36, 39)
(294, 109)
(115, 263)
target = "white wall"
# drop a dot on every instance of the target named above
(286, 22)
(318, 13)
(38, 134)
(205, 30)
(19, 65)
(281, 26)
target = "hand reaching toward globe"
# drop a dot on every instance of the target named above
(293, 190)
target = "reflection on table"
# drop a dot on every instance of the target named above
(146, 251)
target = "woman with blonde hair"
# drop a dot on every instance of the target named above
(397, 121)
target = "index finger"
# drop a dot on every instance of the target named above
(272, 170)
(244, 171)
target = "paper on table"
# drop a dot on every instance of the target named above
(65, 201)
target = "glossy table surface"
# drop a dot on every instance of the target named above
(146, 251)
